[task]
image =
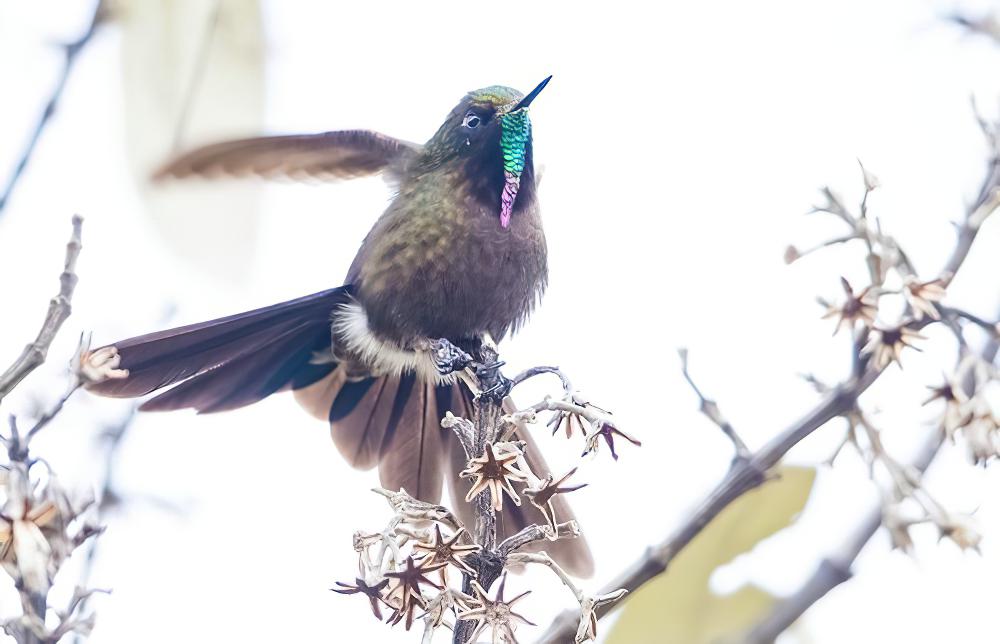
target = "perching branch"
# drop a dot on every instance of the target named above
(70, 53)
(488, 412)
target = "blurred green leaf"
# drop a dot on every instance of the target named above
(678, 607)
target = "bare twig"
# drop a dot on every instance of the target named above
(537, 371)
(70, 53)
(59, 309)
(586, 625)
(710, 409)
(992, 329)
(534, 533)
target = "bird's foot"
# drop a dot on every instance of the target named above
(448, 358)
(495, 386)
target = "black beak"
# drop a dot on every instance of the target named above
(526, 101)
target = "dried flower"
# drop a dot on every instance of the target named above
(871, 181)
(447, 551)
(857, 306)
(886, 345)
(956, 410)
(496, 614)
(496, 474)
(541, 498)
(981, 437)
(93, 367)
(922, 297)
(898, 527)
(567, 420)
(607, 431)
(963, 529)
(407, 589)
(374, 593)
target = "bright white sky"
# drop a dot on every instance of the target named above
(681, 147)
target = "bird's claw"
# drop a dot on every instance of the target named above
(495, 386)
(448, 358)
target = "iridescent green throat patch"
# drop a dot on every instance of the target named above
(515, 133)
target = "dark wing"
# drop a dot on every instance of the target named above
(329, 155)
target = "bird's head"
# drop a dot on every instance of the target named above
(488, 135)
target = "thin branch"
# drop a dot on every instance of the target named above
(534, 533)
(710, 409)
(544, 559)
(70, 53)
(59, 309)
(586, 624)
(992, 329)
(537, 371)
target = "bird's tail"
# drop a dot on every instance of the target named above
(230, 362)
(393, 422)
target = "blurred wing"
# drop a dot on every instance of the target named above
(329, 155)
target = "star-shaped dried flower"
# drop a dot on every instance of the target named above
(956, 410)
(442, 550)
(541, 498)
(961, 529)
(587, 630)
(607, 431)
(857, 306)
(886, 345)
(438, 607)
(373, 593)
(495, 614)
(496, 474)
(982, 437)
(922, 297)
(407, 588)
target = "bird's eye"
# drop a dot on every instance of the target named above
(472, 121)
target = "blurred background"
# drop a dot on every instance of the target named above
(681, 146)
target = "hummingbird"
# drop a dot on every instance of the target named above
(458, 257)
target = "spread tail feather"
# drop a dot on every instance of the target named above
(232, 361)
